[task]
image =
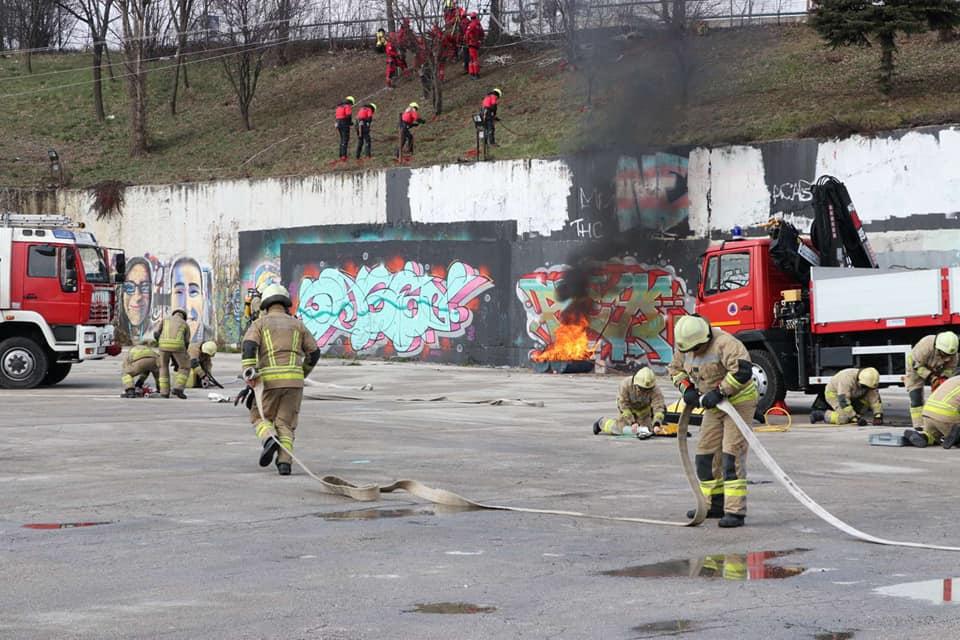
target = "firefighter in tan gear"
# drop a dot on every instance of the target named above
(201, 363)
(174, 337)
(141, 362)
(641, 407)
(710, 365)
(941, 417)
(852, 394)
(930, 362)
(281, 352)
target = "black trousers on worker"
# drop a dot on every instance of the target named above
(363, 138)
(343, 127)
(490, 128)
(406, 138)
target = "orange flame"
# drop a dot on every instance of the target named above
(570, 343)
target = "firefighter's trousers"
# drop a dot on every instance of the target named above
(914, 385)
(722, 457)
(847, 414)
(141, 370)
(180, 378)
(625, 421)
(281, 412)
(936, 430)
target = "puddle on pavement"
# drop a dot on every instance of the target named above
(450, 607)
(62, 525)
(406, 512)
(665, 627)
(932, 591)
(729, 566)
(834, 635)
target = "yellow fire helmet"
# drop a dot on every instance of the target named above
(351, 100)
(690, 332)
(413, 105)
(947, 342)
(498, 92)
(645, 378)
(373, 105)
(869, 377)
(209, 347)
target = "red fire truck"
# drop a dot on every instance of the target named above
(801, 331)
(58, 291)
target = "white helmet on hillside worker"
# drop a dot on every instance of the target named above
(498, 92)
(691, 332)
(645, 378)
(209, 347)
(413, 105)
(351, 100)
(373, 105)
(275, 294)
(947, 342)
(869, 377)
(182, 312)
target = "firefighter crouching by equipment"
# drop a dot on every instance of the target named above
(141, 362)
(711, 363)
(278, 352)
(364, 122)
(641, 407)
(941, 417)
(488, 115)
(930, 362)
(344, 121)
(852, 393)
(174, 337)
(409, 119)
(201, 363)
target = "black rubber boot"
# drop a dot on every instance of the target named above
(180, 394)
(952, 438)
(817, 416)
(715, 510)
(596, 427)
(731, 520)
(915, 438)
(283, 468)
(269, 450)
(129, 393)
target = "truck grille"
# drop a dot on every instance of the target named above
(100, 307)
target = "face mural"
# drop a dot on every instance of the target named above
(154, 287)
(632, 314)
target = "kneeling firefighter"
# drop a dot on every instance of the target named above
(641, 407)
(709, 365)
(278, 352)
(941, 417)
(852, 395)
(930, 362)
(201, 364)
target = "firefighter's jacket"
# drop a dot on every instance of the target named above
(637, 401)
(281, 348)
(716, 368)
(844, 389)
(174, 334)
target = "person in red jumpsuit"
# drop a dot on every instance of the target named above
(488, 113)
(474, 38)
(394, 61)
(409, 119)
(344, 120)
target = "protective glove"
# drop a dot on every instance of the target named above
(936, 383)
(711, 399)
(861, 421)
(176, 367)
(247, 396)
(691, 398)
(194, 363)
(877, 420)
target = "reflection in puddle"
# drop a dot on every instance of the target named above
(62, 525)
(933, 591)
(450, 607)
(834, 635)
(665, 627)
(729, 566)
(374, 514)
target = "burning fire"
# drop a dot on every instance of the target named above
(570, 343)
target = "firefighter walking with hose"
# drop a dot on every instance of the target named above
(709, 365)
(278, 352)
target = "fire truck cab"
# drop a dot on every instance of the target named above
(58, 291)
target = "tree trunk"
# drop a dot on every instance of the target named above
(245, 115)
(523, 22)
(137, 91)
(98, 82)
(391, 21)
(678, 21)
(176, 85)
(493, 33)
(283, 32)
(888, 47)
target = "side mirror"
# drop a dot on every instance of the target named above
(68, 279)
(119, 267)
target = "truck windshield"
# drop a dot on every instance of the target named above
(94, 265)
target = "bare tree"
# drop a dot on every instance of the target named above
(249, 25)
(95, 14)
(493, 33)
(35, 25)
(182, 12)
(134, 16)
(391, 20)
(431, 52)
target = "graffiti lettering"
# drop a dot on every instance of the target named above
(153, 288)
(798, 191)
(592, 202)
(587, 229)
(409, 308)
(632, 303)
(652, 193)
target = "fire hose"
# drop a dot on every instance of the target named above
(371, 492)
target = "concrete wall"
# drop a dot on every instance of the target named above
(491, 241)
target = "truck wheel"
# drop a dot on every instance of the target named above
(768, 378)
(56, 373)
(23, 363)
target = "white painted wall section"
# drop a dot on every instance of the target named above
(730, 188)
(532, 192)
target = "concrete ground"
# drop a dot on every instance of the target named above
(203, 543)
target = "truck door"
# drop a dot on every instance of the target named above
(49, 283)
(727, 291)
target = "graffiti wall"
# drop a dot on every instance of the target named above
(154, 287)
